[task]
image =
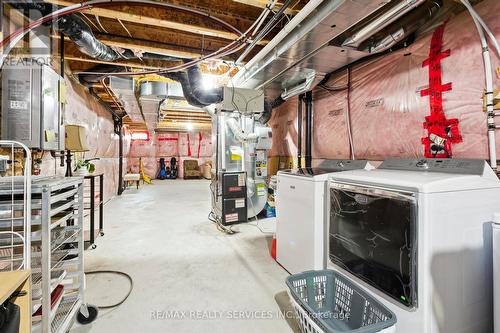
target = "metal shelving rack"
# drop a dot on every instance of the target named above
(56, 248)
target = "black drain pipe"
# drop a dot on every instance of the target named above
(118, 122)
(309, 120)
(299, 130)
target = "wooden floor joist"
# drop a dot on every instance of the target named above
(149, 20)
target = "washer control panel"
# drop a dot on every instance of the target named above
(446, 165)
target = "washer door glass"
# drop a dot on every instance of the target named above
(373, 236)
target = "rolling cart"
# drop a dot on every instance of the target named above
(56, 250)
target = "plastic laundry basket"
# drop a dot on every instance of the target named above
(327, 302)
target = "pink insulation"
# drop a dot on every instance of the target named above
(386, 110)
(183, 146)
(85, 110)
(284, 126)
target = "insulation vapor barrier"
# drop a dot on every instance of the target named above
(388, 103)
(83, 109)
(182, 146)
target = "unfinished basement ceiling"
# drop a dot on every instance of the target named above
(313, 48)
(164, 32)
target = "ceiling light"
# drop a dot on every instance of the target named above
(189, 126)
(208, 82)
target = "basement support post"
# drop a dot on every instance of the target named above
(309, 120)
(118, 122)
(299, 130)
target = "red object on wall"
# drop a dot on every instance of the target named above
(441, 132)
(273, 247)
(199, 143)
(161, 138)
(189, 146)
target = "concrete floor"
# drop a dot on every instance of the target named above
(188, 277)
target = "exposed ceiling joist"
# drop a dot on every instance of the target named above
(149, 47)
(150, 20)
(264, 3)
(114, 63)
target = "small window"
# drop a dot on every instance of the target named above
(140, 135)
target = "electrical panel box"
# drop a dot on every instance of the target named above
(33, 98)
(234, 197)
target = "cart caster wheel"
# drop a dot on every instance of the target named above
(93, 246)
(101, 233)
(93, 312)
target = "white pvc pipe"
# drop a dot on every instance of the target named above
(310, 7)
(481, 22)
(241, 136)
(381, 22)
(488, 73)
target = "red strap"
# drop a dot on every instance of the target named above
(189, 146)
(199, 143)
(441, 131)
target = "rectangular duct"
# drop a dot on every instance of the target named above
(304, 44)
(123, 89)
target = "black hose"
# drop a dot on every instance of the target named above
(118, 273)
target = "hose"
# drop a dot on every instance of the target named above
(488, 72)
(129, 278)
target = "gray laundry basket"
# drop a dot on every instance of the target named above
(328, 302)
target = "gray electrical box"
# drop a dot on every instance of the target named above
(33, 98)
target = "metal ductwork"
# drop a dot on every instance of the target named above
(123, 89)
(203, 98)
(399, 31)
(91, 79)
(322, 38)
(382, 21)
(192, 88)
(151, 95)
(81, 34)
(182, 78)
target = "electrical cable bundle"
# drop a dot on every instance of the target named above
(212, 217)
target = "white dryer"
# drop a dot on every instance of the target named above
(301, 214)
(417, 235)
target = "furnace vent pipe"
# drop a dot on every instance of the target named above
(381, 22)
(239, 134)
(404, 27)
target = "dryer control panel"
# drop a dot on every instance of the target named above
(446, 165)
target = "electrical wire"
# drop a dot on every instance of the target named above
(12, 39)
(257, 221)
(347, 113)
(91, 22)
(212, 217)
(227, 50)
(100, 24)
(129, 278)
(267, 28)
(124, 27)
